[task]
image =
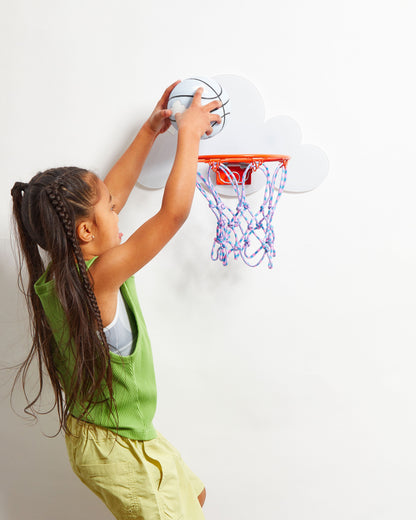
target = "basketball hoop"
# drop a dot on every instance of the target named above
(241, 231)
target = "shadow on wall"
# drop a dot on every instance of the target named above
(36, 480)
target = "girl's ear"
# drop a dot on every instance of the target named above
(85, 231)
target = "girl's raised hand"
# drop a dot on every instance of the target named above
(158, 121)
(197, 117)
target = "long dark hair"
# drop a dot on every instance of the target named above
(46, 211)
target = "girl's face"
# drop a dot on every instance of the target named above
(106, 233)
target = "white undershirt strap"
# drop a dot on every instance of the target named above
(119, 332)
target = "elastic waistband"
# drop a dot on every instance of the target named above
(79, 428)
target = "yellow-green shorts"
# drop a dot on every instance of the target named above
(137, 480)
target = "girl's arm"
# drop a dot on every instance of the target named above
(114, 266)
(121, 179)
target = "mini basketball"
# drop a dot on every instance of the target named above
(182, 95)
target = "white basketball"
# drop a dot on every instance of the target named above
(182, 95)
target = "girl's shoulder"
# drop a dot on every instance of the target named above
(46, 285)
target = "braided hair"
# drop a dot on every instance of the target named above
(46, 211)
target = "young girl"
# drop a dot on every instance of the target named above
(87, 326)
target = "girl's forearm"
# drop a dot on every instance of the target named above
(121, 179)
(180, 187)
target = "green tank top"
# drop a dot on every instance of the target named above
(134, 384)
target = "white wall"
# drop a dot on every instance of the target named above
(291, 391)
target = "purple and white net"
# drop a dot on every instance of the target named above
(241, 231)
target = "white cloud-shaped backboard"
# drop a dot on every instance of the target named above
(246, 132)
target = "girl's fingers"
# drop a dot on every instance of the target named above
(166, 113)
(213, 105)
(168, 91)
(210, 107)
(214, 119)
(165, 97)
(197, 96)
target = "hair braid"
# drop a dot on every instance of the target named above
(68, 224)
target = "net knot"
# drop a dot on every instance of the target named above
(234, 222)
(222, 223)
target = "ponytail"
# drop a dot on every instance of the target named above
(45, 213)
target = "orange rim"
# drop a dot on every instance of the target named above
(253, 160)
(244, 158)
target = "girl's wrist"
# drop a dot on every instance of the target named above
(147, 129)
(189, 132)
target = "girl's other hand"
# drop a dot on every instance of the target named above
(198, 118)
(159, 121)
